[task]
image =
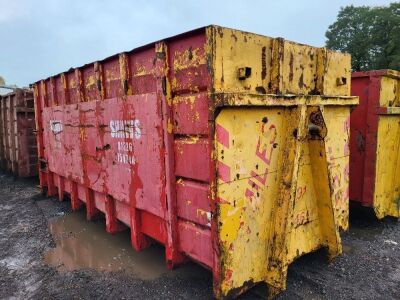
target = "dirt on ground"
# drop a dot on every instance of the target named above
(46, 251)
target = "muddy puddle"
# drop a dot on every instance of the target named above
(86, 245)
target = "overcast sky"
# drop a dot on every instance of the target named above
(45, 37)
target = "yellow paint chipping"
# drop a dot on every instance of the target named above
(281, 188)
(170, 126)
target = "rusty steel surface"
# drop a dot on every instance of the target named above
(375, 142)
(18, 149)
(229, 148)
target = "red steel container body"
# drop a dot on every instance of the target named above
(133, 136)
(18, 149)
(375, 141)
(90, 149)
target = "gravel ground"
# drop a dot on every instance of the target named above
(368, 269)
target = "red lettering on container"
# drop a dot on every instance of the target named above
(264, 146)
(264, 151)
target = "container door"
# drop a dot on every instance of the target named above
(273, 193)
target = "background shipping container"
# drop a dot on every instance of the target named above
(18, 148)
(375, 142)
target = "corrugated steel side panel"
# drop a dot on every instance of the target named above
(122, 148)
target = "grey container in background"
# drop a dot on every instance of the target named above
(18, 148)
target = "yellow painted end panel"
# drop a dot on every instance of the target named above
(337, 120)
(246, 62)
(245, 201)
(235, 49)
(337, 74)
(389, 93)
(387, 183)
(299, 68)
(253, 164)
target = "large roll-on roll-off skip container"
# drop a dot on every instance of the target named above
(375, 142)
(18, 148)
(229, 148)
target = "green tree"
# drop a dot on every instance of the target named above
(370, 34)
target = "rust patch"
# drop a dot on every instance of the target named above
(190, 53)
(291, 67)
(220, 32)
(316, 118)
(234, 36)
(263, 63)
(317, 127)
(360, 140)
(261, 90)
(233, 293)
(301, 81)
(160, 55)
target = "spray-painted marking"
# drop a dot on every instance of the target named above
(339, 173)
(125, 146)
(264, 149)
(301, 218)
(56, 127)
(127, 130)
(222, 136)
(300, 192)
(224, 172)
(126, 158)
(125, 153)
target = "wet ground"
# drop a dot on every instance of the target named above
(48, 252)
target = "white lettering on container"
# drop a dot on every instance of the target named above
(125, 153)
(125, 129)
(56, 126)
